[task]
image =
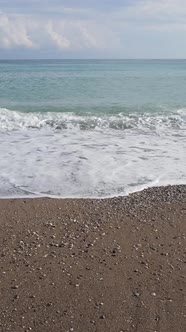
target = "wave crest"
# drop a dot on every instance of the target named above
(13, 120)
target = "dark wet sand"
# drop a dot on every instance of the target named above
(94, 265)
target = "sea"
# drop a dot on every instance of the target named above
(91, 128)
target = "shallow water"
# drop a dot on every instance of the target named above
(91, 128)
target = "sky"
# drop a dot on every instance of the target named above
(31, 29)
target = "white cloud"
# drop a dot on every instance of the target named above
(159, 11)
(57, 37)
(65, 34)
(90, 40)
(13, 33)
(74, 29)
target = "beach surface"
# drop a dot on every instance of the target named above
(94, 265)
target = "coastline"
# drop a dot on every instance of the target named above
(114, 264)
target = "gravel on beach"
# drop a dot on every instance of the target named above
(97, 265)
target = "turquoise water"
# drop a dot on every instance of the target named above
(93, 86)
(91, 128)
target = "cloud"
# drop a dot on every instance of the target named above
(14, 33)
(89, 39)
(106, 27)
(58, 38)
(159, 11)
(62, 33)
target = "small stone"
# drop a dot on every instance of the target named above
(136, 294)
(49, 304)
(16, 297)
(102, 317)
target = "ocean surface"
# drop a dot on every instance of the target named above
(91, 128)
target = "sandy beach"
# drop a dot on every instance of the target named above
(94, 265)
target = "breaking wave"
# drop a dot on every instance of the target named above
(14, 120)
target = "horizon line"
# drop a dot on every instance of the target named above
(104, 59)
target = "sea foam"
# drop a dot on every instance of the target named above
(70, 155)
(167, 124)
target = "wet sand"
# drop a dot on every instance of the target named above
(94, 265)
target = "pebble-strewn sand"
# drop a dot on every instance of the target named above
(94, 265)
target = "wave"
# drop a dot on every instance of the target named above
(15, 120)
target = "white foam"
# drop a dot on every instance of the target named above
(84, 161)
(181, 111)
(13, 120)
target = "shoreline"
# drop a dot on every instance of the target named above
(113, 264)
(42, 196)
